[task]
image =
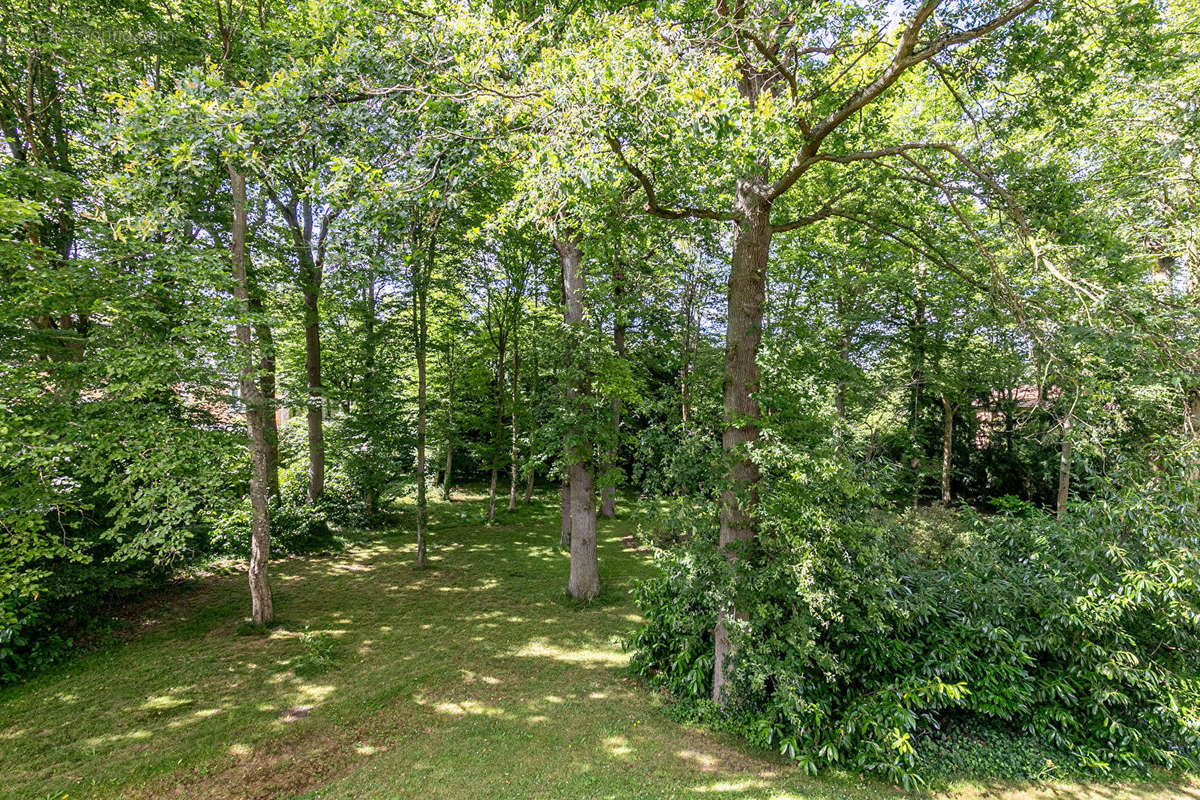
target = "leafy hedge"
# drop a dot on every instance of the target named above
(861, 637)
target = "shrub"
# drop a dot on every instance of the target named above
(858, 641)
(42, 625)
(296, 529)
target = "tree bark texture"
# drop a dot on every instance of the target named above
(261, 607)
(584, 581)
(947, 446)
(747, 292)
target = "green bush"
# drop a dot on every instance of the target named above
(860, 640)
(41, 626)
(296, 529)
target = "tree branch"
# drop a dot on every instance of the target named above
(652, 206)
(905, 57)
(824, 212)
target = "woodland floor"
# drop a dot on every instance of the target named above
(473, 678)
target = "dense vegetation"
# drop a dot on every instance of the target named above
(885, 312)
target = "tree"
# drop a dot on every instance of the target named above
(769, 56)
(262, 609)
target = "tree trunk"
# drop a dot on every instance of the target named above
(422, 273)
(584, 581)
(1064, 470)
(498, 436)
(421, 499)
(917, 332)
(685, 365)
(516, 388)
(947, 443)
(261, 608)
(312, 371)
(266, 380)
(535, 382)
(843, 350)
(747, 291)
(1191, 418)
(449, 426)
(371, 475)
(310, 273)
(1191, 421)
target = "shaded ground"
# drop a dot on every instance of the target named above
(473, 678)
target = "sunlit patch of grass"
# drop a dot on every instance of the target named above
(472, 678)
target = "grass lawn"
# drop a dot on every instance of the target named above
(472, 678)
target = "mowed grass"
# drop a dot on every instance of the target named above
(472, 678)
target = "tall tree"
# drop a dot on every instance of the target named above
(262, 609)
(584, 580)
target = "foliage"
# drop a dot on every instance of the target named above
(297, 528)
(861, 640)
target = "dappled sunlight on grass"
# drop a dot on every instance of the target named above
(540, 648)
(472, 678)
(724, 787)
(469, 707)
(617, 746)
(701, 760)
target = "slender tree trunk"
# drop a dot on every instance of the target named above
(422, 274)
(1064, 470)
(584, 581)
(270, 424)
(565, 535)
(947, 445)
(747, 291)
(422, 329)
(1191, 418)
(449, 426)
(843, 349)
(499, 434)
(266, 386)
(535, 382)
(261, 608)
(312, 371)
(685, 366)
(310, 275)
(516, 389)
(371, 479)
(917, 330)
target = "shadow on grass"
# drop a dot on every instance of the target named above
(472, 677)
